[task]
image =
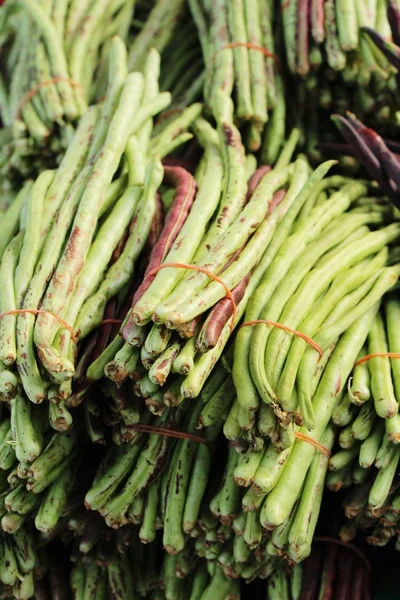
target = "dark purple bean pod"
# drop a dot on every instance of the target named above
(374, 141)
(337, 148)
(388, 49)
(329, 571)
(393, 15)
(345, 570)
(360, 148)
(311, 576)
(360, 575)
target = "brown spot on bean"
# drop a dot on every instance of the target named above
(227, 131)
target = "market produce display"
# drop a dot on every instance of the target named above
(199, 265)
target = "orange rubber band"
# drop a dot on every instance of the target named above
(377, 355)
(170, 433)
(29, 95)
(305, 438)
(228, 293)
(329, 540)
(250, 46)
(39, 311)
(299, 334)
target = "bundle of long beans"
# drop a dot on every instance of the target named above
(21, 562)
(182, 68)
(96, 241)
(378, 156)
(52, 60)
(209, 225)
(284, 470)
(121, 567)
(158, 22)
(237, 40)
(328, 46)
(367, 457)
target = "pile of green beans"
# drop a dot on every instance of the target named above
(333, 67)
(170, 341)
(187, 307)
(54, 66)
(329, 34)
(320, 279)
(154, 26)
(21, 562)
(93, 231)
(327, 235)
(132, 570)
(238, 44)
(125, 568)
(182, 68)
(367, 457)
(331, 238)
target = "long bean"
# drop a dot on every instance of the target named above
(281, 499)
(192, 231)
(84, 223)
(233, 238)
(10, 219)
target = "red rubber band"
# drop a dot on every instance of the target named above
(250, 46)
(39, 311)
(29, 95)
(377, 355)
(299, 334)
(305, 438)
(170, 433)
